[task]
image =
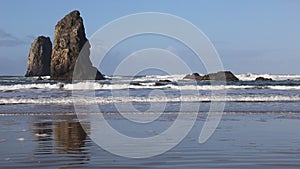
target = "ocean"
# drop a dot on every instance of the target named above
(39, 127)
(27, 95)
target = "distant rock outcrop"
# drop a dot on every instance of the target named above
(194, 76)
(263, 79)
(69, 40)
(39, 58)
(163, 82)
(219, 76)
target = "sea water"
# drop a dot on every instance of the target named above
(27, 95)
(259, 128)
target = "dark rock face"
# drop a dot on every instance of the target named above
(219, 76)
(69, 40)
(194, 76)
(39, 57)
(263, 79)
(162, 82)
(223, 75)
(165, 81)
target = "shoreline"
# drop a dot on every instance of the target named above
(145, 113)
(240, 141)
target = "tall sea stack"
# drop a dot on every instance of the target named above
(69, 40)
(39, 57)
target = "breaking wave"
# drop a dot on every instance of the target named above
(143, 85)
(154, 99)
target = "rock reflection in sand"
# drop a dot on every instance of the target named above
(63, 138)
(69, 136)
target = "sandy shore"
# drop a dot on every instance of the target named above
(242, 140)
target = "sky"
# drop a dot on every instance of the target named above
(251, 36)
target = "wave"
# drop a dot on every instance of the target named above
(282, 82)
(252, 76)
(242, 77)
(141, 85)
(153, 99)
(30, 86)
(234, 87)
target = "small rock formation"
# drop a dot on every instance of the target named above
(229, 76)
(194, 76)
(162, 82)
(69, 40)
(219, 76)
(165, 81)
(263, 79)
(39, 57)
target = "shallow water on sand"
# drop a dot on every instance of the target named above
(242, 140)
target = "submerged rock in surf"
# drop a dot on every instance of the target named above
(263, 79)
(162, 82)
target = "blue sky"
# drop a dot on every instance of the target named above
(258, 36)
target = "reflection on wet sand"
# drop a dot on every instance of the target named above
(43, 133)
(42, 130)
(69, 135)
(241, 141)
(65, 139)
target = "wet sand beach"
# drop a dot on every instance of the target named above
(242, 140)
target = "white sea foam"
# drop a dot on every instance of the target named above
(145, 82)
(169, 77)
(153, 99)
(29, 86)
(149, 85)
(251, 76)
